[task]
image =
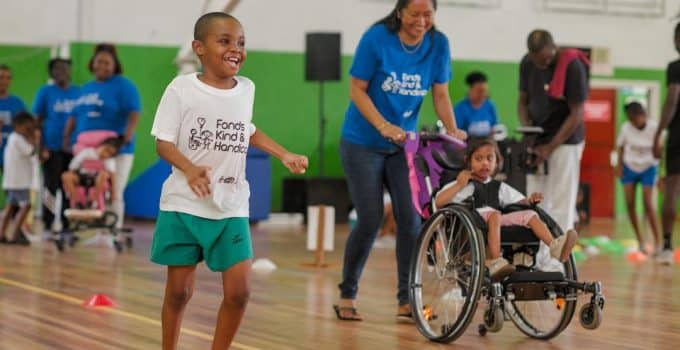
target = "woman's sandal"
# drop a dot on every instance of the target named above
(342, 311)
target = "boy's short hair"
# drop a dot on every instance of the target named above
(634, 108)
(203, 23)
(22, 118)
(115, 142)
(539, 39)
(5, 67)
(475, 77)
(56, 60)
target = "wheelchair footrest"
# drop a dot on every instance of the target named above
(536, 285)
(83, 214)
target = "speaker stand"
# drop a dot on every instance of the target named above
(322, 127)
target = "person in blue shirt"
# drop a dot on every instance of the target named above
(53, 105)
(10, 106)
(476, 114)
(109, 102)
(397, 62)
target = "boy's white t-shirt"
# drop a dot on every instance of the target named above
(18, 170)
(506, 194)
(211, 127)
(90, 154)
(637, 146)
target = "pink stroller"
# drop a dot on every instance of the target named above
(89, 208)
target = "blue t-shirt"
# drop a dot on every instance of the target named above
(397, 81)
(9, 107)
(55, 105)
(475, 121)
(106, 105)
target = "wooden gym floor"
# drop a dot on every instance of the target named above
(42, 292)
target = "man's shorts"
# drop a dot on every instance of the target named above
(182, 239)
(18, 197)
(647, 177)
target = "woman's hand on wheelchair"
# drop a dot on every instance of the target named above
(198, 178)
(392, 132)
(458, 133)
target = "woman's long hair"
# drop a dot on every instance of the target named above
(392, 20)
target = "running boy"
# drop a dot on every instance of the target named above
(638, 165)
(17, 179)
(490, 196)
(203, 128)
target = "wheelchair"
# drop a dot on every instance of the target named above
(448, 278)
(88, 214)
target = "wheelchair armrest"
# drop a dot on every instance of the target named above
(518, 207)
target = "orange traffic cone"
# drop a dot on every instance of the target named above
(99, 300)
(676, 255)
(636, 256)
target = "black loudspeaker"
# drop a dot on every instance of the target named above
(322, 59)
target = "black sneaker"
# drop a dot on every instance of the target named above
(20, 239)
(3, 240)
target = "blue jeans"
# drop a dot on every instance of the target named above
(368, 171)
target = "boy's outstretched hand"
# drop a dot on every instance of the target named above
(198, 178)
(296, 163)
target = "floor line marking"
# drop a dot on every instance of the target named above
(75, 301)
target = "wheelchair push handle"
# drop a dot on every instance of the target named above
(435, 136)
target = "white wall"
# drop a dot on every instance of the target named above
(277, 25)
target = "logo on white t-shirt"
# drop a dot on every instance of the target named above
(226, 136)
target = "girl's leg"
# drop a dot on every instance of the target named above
(70, 181)
(364, 172)
(236, 286)
(650, 211)
(19, 219)
(178, 290)
(493, 235)
(629, 191)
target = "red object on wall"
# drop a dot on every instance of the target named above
(596, 169)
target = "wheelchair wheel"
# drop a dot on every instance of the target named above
(446, 274)
(545, 319)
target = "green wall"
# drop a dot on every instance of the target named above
(286, 107)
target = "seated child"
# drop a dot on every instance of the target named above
(638, 165)
(18, 176)
(92, 168)
(489, 196)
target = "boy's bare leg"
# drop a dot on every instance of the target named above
(7, 215)
(236, 286)
(19, 221)
(493, 235)
(629, 191)
(650, 211)
(178, 291)
(540, 230)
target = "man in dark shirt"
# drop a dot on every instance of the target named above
(560, 116)
(670, 120)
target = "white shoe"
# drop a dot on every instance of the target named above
(665, 257)
(499, 268)
(560, 247)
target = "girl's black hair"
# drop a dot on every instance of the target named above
(475, 77)
(476, 143)
(115, 142)
(392, 20)
(109, 48)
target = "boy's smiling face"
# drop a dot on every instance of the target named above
(222, 50)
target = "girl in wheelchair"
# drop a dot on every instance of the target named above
(475, 185)
(92, 170)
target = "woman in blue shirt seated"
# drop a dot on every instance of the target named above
(476, 114)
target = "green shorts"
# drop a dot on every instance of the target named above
(182, 239)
